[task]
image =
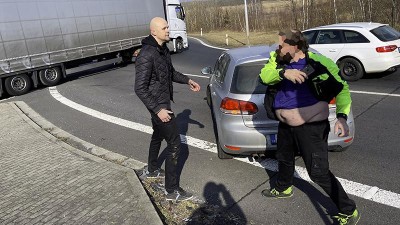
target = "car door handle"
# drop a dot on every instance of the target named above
(213, 93)
(332, 50)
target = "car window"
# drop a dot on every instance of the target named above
(354, 37)
(221, 67)
(328, 37)
(386, 33)
(246, 79)
(310, 36)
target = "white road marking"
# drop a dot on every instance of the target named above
(6, 99)
(375, 93)
(354, 188)
(210, 46)
(194, 75)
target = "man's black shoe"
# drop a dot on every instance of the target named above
(178, 195)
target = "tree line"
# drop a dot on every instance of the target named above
(264, 15)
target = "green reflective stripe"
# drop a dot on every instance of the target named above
(269, 73)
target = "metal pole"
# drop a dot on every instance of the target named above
(247, 22)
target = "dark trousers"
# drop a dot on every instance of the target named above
(311, 139)
(169, 132)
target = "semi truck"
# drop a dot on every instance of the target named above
(40, 39)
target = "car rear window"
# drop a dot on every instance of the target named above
(246, 79)
(386, 33)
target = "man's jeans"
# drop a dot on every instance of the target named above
(311, 139)
(169, 132)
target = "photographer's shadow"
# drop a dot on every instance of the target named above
(183, 120)
(220, 208)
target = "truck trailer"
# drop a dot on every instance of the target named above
(40, 39)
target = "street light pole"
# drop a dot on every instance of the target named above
(247, 22)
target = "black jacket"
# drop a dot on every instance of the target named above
(155, 74)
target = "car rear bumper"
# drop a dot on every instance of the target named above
(248, 140)
(258, 140)
(381, 64)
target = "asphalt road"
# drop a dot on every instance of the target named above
(373, 159)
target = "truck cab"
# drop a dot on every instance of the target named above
(175, 14)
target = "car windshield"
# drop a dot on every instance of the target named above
(246, 79)
(386, 33)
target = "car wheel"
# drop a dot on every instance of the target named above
(18, 85)
(208, 93)
(351, 69)
(220, 151)
(339, 149)
(50, 76)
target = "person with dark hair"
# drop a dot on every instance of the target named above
(153, 85)
(306, 82)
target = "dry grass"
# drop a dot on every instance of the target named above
(192, 212)
(237, 39)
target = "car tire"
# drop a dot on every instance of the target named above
(18, 85)
(208, 97)
(351, 69)
(220, 151)
(50, 76)
(339, 149)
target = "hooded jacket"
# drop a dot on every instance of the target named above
(154, 76)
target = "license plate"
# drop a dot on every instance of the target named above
(273, 138)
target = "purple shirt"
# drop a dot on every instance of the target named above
(292, 95)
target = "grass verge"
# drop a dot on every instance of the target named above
(191, 212)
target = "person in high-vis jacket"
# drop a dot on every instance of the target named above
(305, 83)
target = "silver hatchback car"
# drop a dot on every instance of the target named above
(236, 99)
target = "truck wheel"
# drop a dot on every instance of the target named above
(351, 69)
(18, 85)
(179, 45)
(127, 56)
(50, 76)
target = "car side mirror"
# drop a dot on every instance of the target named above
(206, 70)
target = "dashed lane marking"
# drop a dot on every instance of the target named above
(354, 188)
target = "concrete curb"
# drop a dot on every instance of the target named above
(86, 150)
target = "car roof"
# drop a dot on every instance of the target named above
(249, 54)
(360, 25)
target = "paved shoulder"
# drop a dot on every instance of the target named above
(43, 180)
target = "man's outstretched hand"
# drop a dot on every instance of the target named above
(194, 86)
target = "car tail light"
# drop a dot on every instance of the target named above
(233, 148)
(332, 102)
(348, 140)
(389, 48)
(237, 107)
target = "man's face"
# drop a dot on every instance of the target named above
(285, 52)
(161, 31)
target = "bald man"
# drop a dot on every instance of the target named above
(153, 85)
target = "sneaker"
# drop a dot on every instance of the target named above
(273, 193)
(344, 219)
(178, 195)
(158, 173)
